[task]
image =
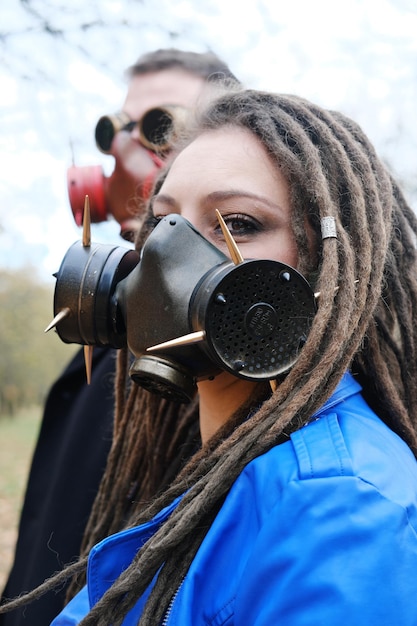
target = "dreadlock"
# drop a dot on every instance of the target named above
(366, 279)
(368, 290)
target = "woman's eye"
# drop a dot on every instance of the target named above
(240, 225)
(151, 222)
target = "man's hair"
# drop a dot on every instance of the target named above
(207, 65)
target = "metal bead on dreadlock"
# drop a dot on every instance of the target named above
(328, 227)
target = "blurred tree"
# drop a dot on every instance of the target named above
(29, 358)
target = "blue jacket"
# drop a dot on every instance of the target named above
(319, 531)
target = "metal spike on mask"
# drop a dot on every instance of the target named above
(86, 241)
(273, 384)
(234, 251)
(336, 289)
(86, 223)
(88, 359)
(58, 317)
(88, 350)
(191, 338)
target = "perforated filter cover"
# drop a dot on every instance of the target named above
(258, 318)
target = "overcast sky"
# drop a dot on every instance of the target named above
(62, 67)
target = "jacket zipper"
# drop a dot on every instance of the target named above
(170, 605)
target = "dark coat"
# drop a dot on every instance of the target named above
(67, 467)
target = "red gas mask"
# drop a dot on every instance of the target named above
(157, 130)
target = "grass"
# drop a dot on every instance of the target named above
(17, 440)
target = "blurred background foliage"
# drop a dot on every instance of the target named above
(29, 359)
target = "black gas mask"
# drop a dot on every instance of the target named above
(184, 309)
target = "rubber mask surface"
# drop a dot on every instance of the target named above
(250, 319)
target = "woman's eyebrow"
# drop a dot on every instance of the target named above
(165, 199)
(221, 196)
(233, 193)
(217, 196)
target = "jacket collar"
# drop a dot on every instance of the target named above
(347, 387)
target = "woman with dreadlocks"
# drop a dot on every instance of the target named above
(300, 507)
